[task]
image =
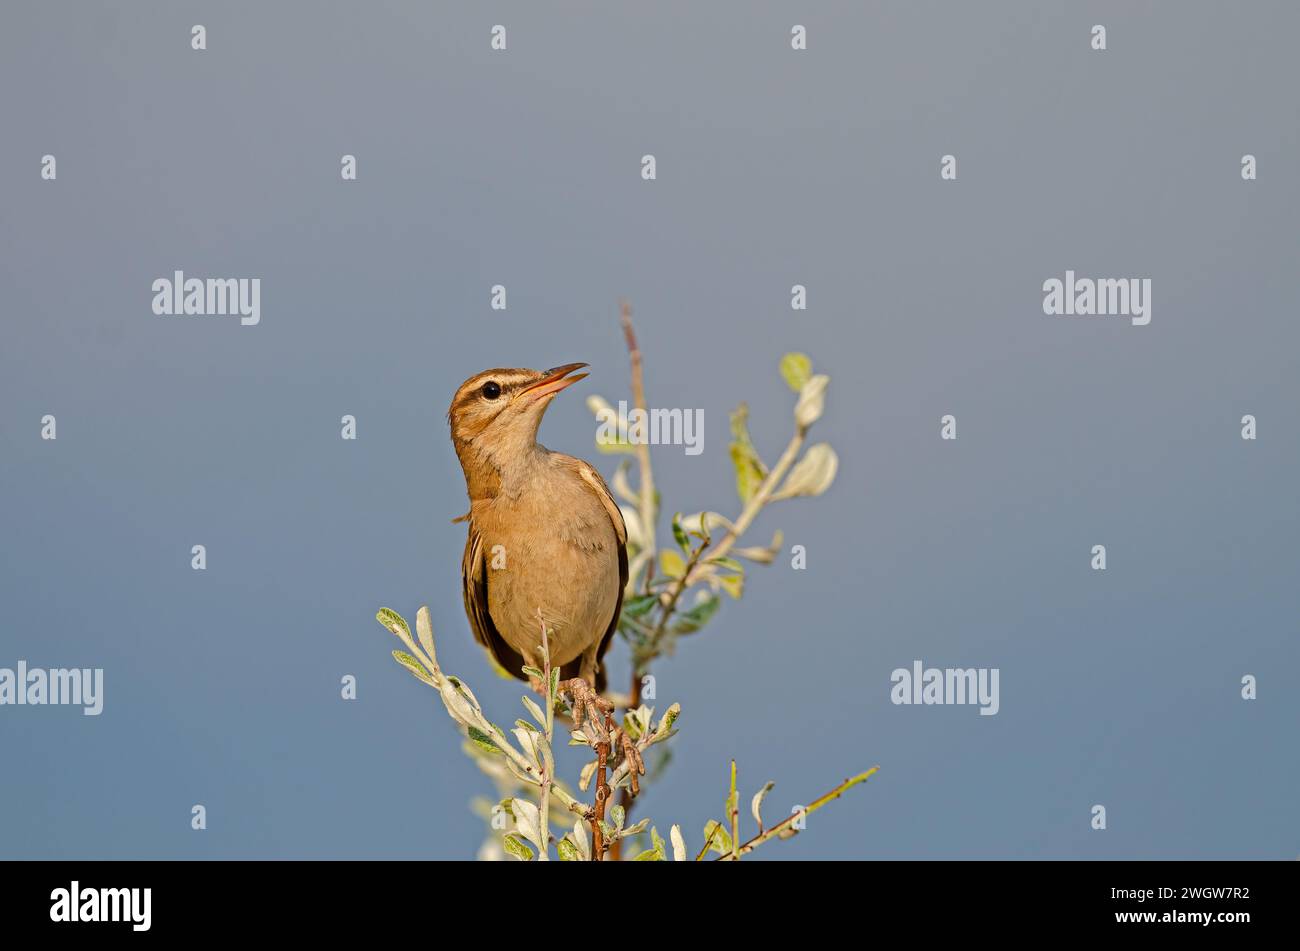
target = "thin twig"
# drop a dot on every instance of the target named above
(642, 446)
(545, 808)
(785, 823)
(733, 803)
(707, 842)
(675, 593)
(756, 502)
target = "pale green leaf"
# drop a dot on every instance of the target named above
(795, 369)
(679, 843)
(424, 629)
(756, 804)
(734, 585)
(719, 839)
(671, 563)
(414, 666)
(534, 711)
(750, 470)
(812, 475)
(514, 846)
(812, 400)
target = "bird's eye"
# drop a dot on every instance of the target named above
(491, 389)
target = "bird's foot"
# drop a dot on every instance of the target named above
(592, 715)
(588, 706)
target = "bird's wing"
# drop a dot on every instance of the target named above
(592, 478)
(474, 575)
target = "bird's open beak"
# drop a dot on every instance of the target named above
(555, 380)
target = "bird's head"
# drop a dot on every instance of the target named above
(495, 414)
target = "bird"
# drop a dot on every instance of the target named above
(546, 543)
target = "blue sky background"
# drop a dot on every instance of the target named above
(774, 168)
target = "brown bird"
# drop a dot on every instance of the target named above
(544, 532)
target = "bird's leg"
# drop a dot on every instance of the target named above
(588, 664)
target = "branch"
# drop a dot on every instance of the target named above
(785, 823)
(757, 501)
(674, 595)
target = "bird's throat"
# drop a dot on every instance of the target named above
(498, 470)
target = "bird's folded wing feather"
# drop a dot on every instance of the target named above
(474, 575)
(593, 479)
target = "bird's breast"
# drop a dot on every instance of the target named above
(553, 551)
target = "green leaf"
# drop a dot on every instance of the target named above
(618, 815)
(516, 847)
(533, 672)
(414, 666)
(651, 855)
(730, 563)
(669, 718)
(679, 534)
(636, 607)
(568, 851)
(750, 470)
(690, 621)
(796, 368)
(393, 621)
(483, 740)
(734, 585)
